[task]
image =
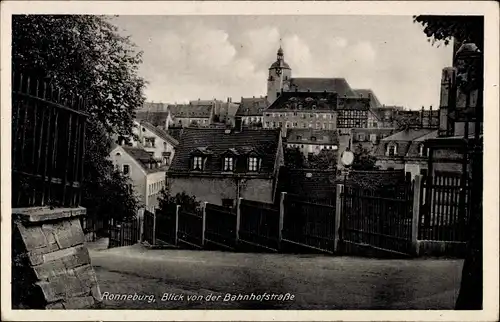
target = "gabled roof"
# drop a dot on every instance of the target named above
(368, 93)
(332, 85)
(175, 132)
(190, 110)
(252, 106)
(405, 140)
(264, 142)
(322, 136)
(160, 133)
(143, 158)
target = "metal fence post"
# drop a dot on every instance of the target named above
(176, 234)
(203, 225)
(238, 219)
(282, 217)
(416, 213)
(338, 215)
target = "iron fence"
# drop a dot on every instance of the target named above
(48, 145)
(309, 223)
(220, 226)
(259, 224)
(123, 233)
(445, 208)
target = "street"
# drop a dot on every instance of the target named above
(315, 281)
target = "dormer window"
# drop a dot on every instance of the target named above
(424, 152)
(392, 150)
(228, 163)
(197, 163)
(253, 164)
(313, 138)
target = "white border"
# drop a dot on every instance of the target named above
(489, 9)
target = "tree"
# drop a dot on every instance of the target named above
(85, 56)
(445, 28)
(363, 159)
(166, 202)
(294, 159)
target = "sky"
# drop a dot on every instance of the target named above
(207, 57)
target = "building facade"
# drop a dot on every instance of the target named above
(186, 115)
(146, 174)
(221, 165)
(310, 141)
(251, 111)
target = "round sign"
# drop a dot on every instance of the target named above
(347, 158)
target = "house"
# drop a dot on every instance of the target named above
(404, 150)
(374, 101)
(311, 141)
(221, 165)
(185, 115)
(251, 111)
(369, 138)
(157, 114)
(155, 141)
(146, 174)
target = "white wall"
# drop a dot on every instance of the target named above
(154, 183)
(136, 174)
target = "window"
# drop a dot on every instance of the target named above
(149, 142)
(313, 138)
(228, 164)
(390, 169)
(423, 172)
(373, 138)
(391, 150)
(295, 124)
(197, 163)
(424, 152)
(126, 169)
(267, 124)
(253, 164)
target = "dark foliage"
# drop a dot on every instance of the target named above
(445, 28)
(363, 160)
(166, 202)
(85, 57)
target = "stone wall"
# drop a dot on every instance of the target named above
(51, 267)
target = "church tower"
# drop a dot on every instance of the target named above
(279, 77)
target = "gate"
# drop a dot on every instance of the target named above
(309, 224)
(190, 229)
(123, 233)
(220, 228)
(259, 226)
(379, 219)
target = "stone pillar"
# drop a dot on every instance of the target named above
(51, 266)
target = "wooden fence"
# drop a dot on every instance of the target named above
(191, 228)
(166, 225)
(149, 227)
(48, 145)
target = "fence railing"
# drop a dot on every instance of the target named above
(166, 228)
(260, 224)
(123, 233)
(191, 228)
(48, 145)
(445, 208)
(371, 218)
(309, 223)
(221, 226)
(149, 227)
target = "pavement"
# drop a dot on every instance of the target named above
(212, 280)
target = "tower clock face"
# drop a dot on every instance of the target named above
(278, 71)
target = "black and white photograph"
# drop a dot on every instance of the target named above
(240, 161)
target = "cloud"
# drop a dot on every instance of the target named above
(202, 57)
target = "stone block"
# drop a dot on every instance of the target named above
(96, 292)
(69, 233)
(87, 276)
(82, 302)
(50, 291)
(33, 237)
(55, 306)
(46, 270)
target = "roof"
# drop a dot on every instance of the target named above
(153, 107)
(305, 135)
(253, 106)
(374, 101)
(175, 132)
(155, 118)
(160, 133)
(191, 110)
(305, 100)
(334, 85)
(280, 64)
(217, 142)
(143, 158)
(407, 135)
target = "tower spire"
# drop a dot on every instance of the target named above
(280, 52)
